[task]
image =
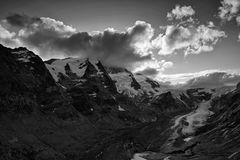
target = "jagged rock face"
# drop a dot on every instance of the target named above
(99, 73)
(166, 102)
(195, 96)
(70, 72)
(92, 90)
(238, 86)
(77, 71)
(171, 101)
(23, 67)
(94, 93)
(24, 79)
(36, 118)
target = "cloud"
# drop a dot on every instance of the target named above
(5, 34)
(182, 78)
(229, 9)
(180, 12)
(152, 67)
(211, 80)
(21, 20)
(50, 38)
(8, 38)
(190, 38)
(207, 78)
(25, 22)
(238, 20)
(149, 71)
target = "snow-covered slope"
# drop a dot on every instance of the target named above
(150, 86)
(75, 65)
(134, 84)
(126, 82)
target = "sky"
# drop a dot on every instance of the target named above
(174, 40)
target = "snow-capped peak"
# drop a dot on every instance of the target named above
(76, 65)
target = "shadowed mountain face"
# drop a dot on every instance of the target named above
(79, 109)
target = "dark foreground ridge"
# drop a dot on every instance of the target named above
(82, 113)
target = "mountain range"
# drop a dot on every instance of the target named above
(80, 109)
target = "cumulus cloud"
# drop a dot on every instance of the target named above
(180, 12)
(190, 38)
(229, 9)
(50, 38)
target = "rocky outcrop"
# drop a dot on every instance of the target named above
(166, 102)
(24, 80)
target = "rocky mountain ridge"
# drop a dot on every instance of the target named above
(126, 82)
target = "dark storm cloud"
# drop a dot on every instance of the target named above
(112, 48)
(21, 20)
(49, 36)
(216, 79)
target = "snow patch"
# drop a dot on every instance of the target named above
(121, 109)
(167, 158)
(139, 156)
(123, 84)
(24, 55)
(92, 94)
(146, 86)
(23, 60)
(188, 139)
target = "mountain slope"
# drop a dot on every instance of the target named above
(209, 132)
(135, 84)
(73, 69)
(72, 109)
(39, 119)
(36, 116)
